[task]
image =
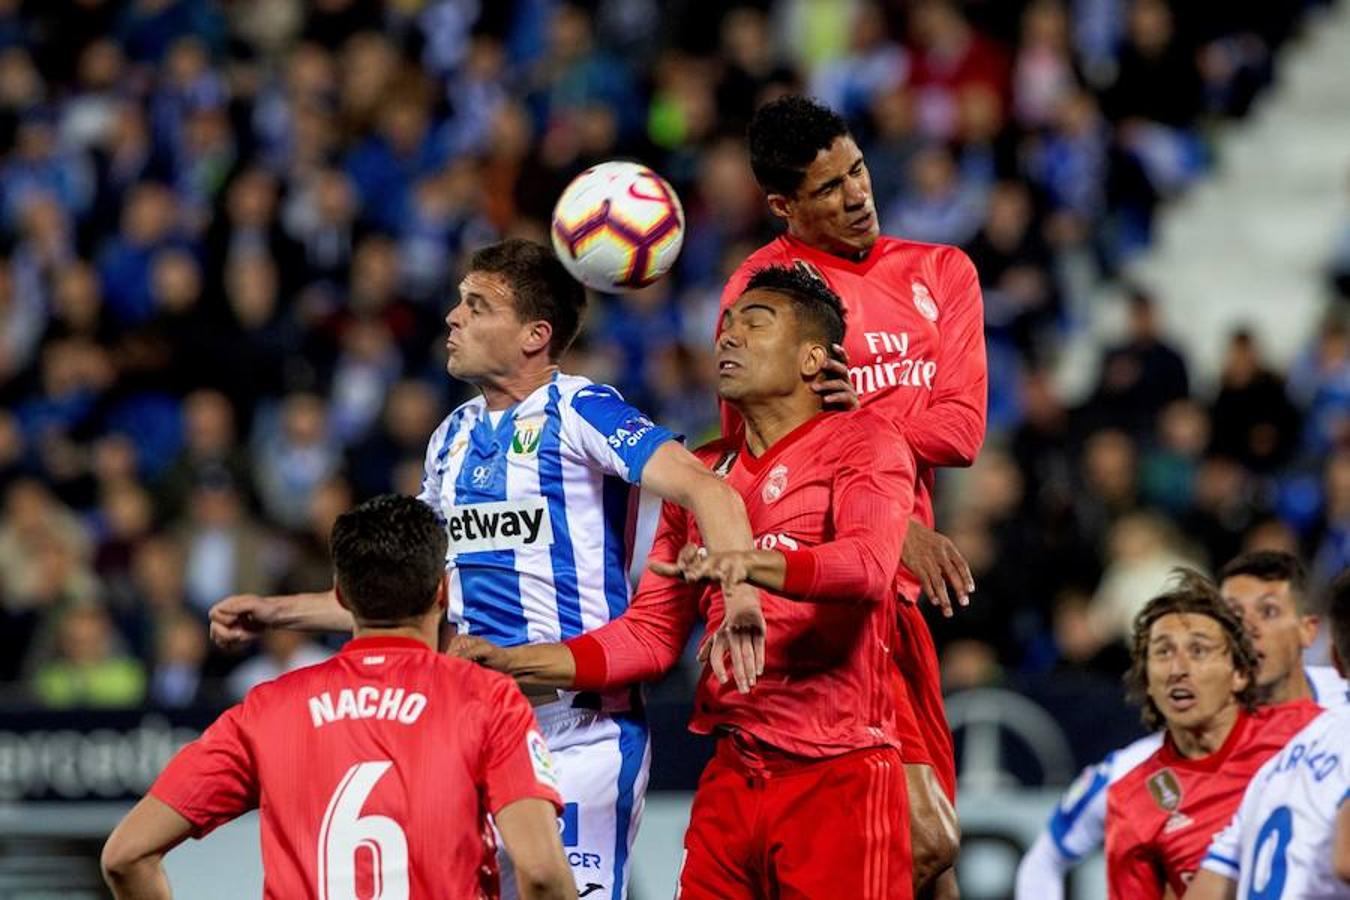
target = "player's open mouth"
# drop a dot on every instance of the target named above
(727, 365)
(1182, 698)
(862, 223)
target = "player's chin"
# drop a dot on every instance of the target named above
(459, 368)
(730, 387)
(860, 239)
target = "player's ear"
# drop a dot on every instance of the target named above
(780, 205)
(1307, 630)
(538, 334)
(443, 593)
(342, 601)
(813, 360)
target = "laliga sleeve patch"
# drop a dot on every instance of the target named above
(541, 760)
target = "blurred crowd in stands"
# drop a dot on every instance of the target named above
(229, 232)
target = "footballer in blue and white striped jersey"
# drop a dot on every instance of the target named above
(534, 480)
(540, 509)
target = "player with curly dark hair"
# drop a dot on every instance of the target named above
(914, 351)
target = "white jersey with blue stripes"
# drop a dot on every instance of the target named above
(1280, 842)
(540, 509)
(1077, 827)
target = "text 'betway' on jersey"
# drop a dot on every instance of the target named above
(507, 525)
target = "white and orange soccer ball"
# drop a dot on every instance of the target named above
(618, 226)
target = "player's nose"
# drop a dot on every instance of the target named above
(855, 194)
(730, 337)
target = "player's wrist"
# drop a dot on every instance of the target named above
(590, 666)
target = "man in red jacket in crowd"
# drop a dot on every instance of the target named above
(806, 795)
(916, 350)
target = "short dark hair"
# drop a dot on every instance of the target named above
(1270, 565)
(816, 305)
(785, 135)
(1338, 615)
(1190, 594)
(540, 285)
(389, 556)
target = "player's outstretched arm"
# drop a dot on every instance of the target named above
(529, 830)
(237, 621)
(536, 665)
(1210, 885)
(675, 474)
(133, 857)
(1040, 874)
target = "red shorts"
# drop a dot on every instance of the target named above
(765, 824)
(925, 738)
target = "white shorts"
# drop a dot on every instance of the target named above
(602, 761)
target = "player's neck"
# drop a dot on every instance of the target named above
(769, 421)
(425, 633)
(1202, 740)
(507, 391)
(851, 254)
(1291, 687)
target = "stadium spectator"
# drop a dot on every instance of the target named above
(180, 652)
(87, 670)
(1141, 375)
(224, 548)
(1252, 418)
(282, 652)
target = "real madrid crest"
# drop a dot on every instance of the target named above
(776, 485)
(923, 301)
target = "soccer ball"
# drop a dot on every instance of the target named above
(618, 226)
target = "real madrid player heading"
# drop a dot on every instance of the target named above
(533, 481)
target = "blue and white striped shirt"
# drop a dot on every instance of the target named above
(540, 509)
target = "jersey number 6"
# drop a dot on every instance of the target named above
(345, 833)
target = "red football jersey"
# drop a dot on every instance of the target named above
(834, 496)
(1161, 817)
(378, 767)
(915, 343)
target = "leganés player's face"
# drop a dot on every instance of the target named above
(1270, 613)
(761, 352)
(1191, 677)
(833, 208)
(485, 331)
